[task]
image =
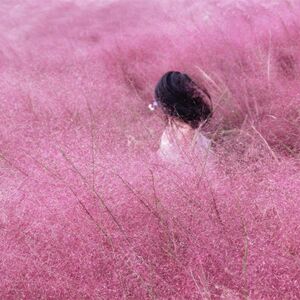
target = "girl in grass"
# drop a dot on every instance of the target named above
(187, 108)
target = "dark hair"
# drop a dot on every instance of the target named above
(180, 97)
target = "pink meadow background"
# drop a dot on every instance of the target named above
(87, 211)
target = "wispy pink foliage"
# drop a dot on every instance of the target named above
(87, 210)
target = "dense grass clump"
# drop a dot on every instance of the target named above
(88, 210)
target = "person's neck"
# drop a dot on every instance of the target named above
(182, 131)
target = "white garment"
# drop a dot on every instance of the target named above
(180, 144)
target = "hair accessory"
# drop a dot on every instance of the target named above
(152, 106)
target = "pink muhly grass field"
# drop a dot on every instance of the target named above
(87, 210)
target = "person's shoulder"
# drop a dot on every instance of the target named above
(164, 140)
(202, 141)
(167, 148)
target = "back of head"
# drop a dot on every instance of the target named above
(182, 99)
